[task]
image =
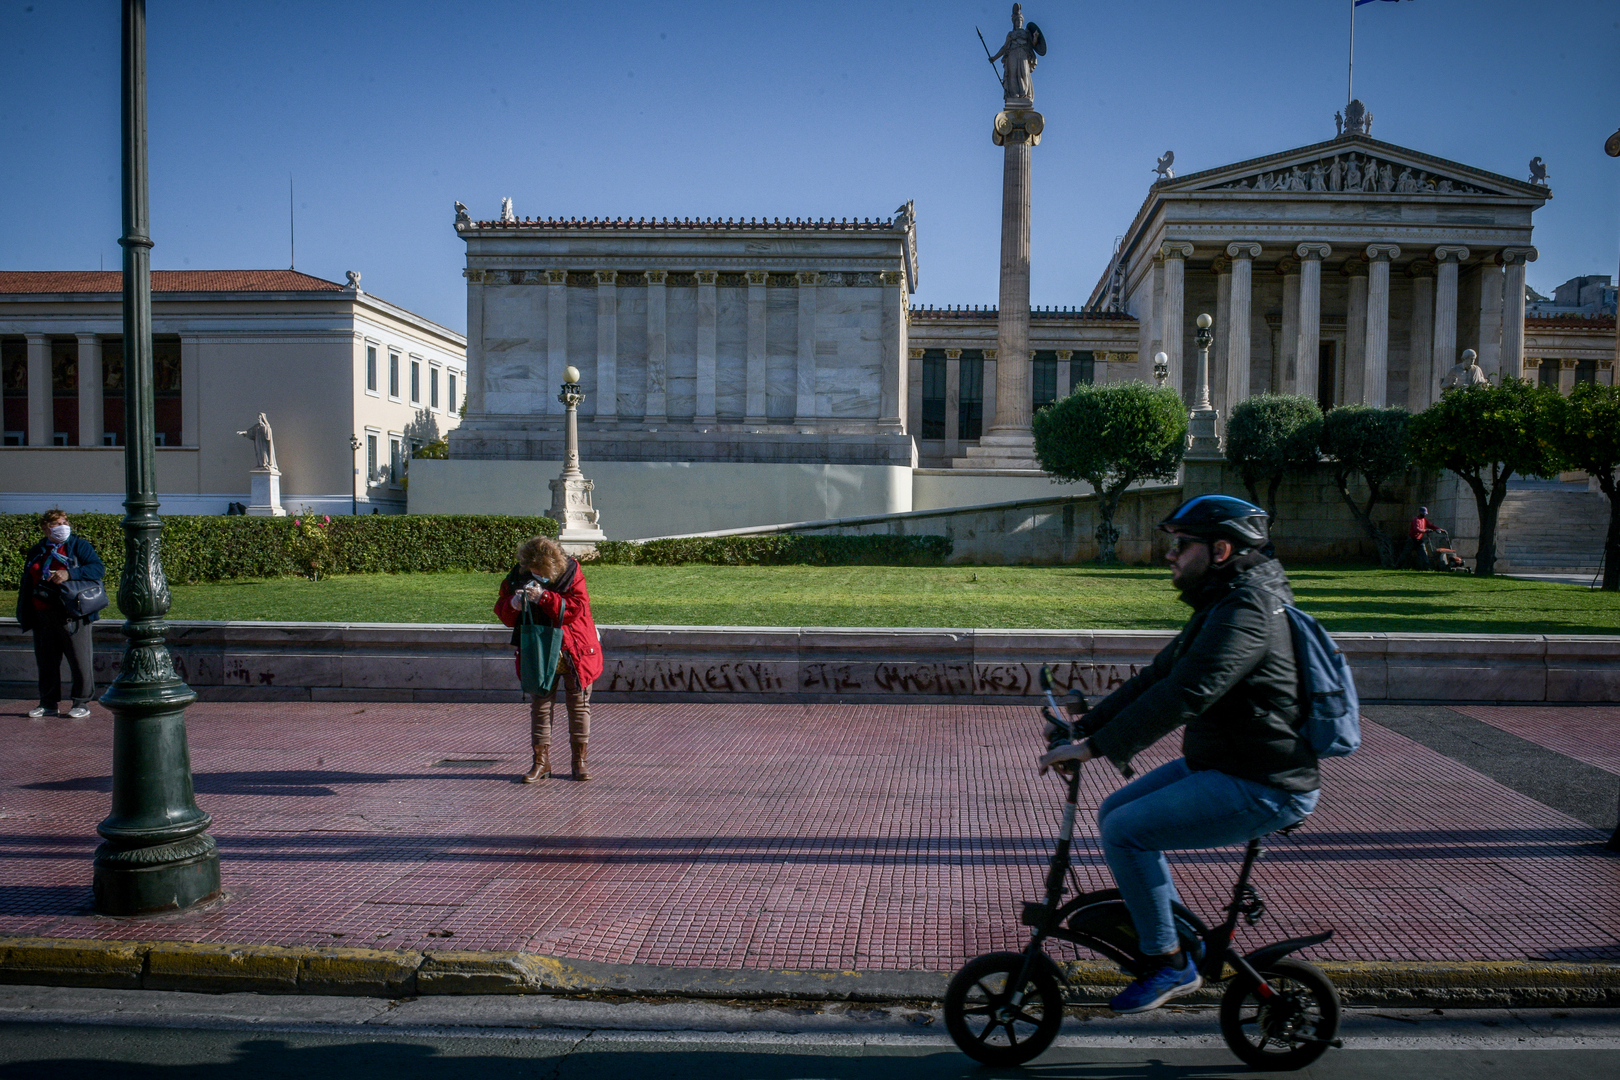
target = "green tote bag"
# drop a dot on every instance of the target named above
(539, 650)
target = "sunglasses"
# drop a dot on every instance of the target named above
(1182, 543)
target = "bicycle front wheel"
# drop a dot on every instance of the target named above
(985, 1021)
(1288, 1030)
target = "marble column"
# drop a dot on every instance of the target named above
(1239, 317)
(990, 388)
(556, 339)
(1375, 389)
(1307, 351)
(1352, 374)
(757, 365)
(607, 345)
(91, 424)
(805, 407)
(1445, 313)
(1017, 130)
(1286, 377)
(1175, 255)
(1065, 373)
(896, 358)
(41, 407)
(1420, 373)
(475, 344)
(914, 394)
(657, 348)
(1513, 261)
(1150, 338)
(1566, 374)
(1218, 376)
(953, 402)
(1489, 344)
(708, 314)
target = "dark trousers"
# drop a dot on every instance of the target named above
(54, 641)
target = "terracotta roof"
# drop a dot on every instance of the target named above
(1571, 319)
(112, 281)
(799, 224)
(986, 313)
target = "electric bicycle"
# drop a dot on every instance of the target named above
(1005, 1008)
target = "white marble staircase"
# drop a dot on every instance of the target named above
(1552, 529)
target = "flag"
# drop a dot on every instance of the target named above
(1360, 2)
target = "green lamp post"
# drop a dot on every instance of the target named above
(156, 854)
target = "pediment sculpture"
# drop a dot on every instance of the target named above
(1352, 173)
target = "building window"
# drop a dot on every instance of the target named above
(1547, 373)
(112, 391)
(933, 394)
(371, 458)
(393, 375)
(166, 401)
(1586, 371)
(371, 368)
(14, 385)
(416, 382)
(450, 392)
(970, 408)
(1082, 369)
(396, 459)
(433, 388)
(65, 393)
(1043, 385)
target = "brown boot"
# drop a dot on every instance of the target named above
(580, 772)
(542, 764)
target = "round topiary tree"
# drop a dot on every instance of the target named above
(1111, 436)
(1270, 437)
(1370, 442)
(1586, 428)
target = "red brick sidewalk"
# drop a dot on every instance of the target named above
(767, 836)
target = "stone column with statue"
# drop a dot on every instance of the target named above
(571, 508)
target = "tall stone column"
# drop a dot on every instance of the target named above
(1566, 374)
(990, 388)
(804, 409)
(1175, 254)
(953, 402)
(607, 345)
(1218, 376)
(1352, 374)
(1513, 261)
(754, 410)
(1375, 388)
(1287, 374)
(1017, 131)
(1307, 352)
(1238, 351)
(556, 336)
(1445, 313)
(91, 424)
(41, 404)
(896, 357)
(914, 392)
(657, 347)
(708, 314)
(1065, 373)
(1420, 373)
(475, 342)
(1489, 345)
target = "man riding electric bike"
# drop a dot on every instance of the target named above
(1230, 677)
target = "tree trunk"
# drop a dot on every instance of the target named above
(1489, 505)
(1386, 550)
(1271, 498)
(1107, 536)
(1611, 545)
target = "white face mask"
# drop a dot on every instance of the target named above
(60, 533)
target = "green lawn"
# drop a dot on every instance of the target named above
(983, 596)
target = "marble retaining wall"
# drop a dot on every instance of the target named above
(377, 662)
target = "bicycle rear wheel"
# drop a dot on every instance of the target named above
(1289, 1030)
(986, 1025)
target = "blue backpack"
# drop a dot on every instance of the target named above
(1327, 688)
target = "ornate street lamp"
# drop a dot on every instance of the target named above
(354, 476)
(1161, 367)
(1203, 424)
(580, 524)
(157, 855)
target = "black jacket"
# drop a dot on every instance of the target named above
(87, 567)
(1230, 677)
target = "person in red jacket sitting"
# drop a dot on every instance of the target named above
(543, 576)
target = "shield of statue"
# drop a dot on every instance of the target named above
(1037, 40)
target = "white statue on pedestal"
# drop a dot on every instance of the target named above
(265, 476)
(264, 443)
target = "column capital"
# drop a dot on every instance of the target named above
(1569, 365)
(706, 277)
(916, 354)
(557, 277)
(1383, 252)
(657, 277)
(891, 277)
(1287, 265)
(989, 354)
(1175, 249)
(1243, 249)
(474, 277)
(1313, 251)
(1421, 268)
(607, 277)
(1354, 266)
(1065, 354)
(953, 354)
(757, 277)
(36, 338)
(87, 338)
(808, 277)
(1221, 265)
(1450, 253)
(1521, 255)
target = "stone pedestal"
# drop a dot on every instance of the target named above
(266, 498)
(571, 508)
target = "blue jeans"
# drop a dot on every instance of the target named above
(1173, 808)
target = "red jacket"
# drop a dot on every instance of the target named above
(580, 642)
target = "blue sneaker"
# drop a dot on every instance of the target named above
(1157, 987)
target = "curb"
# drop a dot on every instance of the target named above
(270, 969)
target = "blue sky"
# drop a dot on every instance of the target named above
(385, 113)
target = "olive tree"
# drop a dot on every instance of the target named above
(1270, 437)
(1485, 434)
(1112, 436)
(1586, 431)
(1369, 442)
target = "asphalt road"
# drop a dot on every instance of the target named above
(63, 1034)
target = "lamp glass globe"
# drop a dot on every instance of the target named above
(1204, 321)
(571, 374)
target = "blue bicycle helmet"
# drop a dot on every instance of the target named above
(1221, 517)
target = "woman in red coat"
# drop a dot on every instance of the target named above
(544, 576)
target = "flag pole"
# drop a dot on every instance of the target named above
(1350, 73)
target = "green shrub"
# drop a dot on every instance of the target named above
(780, 550)
(218, 548)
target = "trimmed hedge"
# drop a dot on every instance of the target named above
(220, 548)
(780, 550)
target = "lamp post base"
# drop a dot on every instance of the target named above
(178, 876)
(1203, 432)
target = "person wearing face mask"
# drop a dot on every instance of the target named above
(1247, 767)
(57, 558)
